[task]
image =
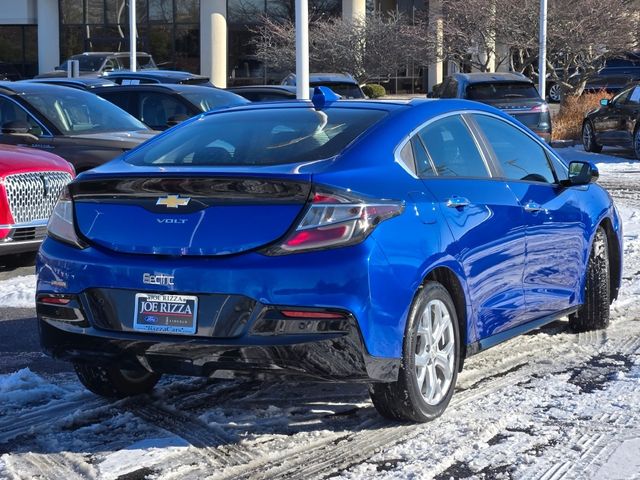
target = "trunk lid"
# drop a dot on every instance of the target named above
(217, 214)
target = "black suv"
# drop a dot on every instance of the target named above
(513, 93)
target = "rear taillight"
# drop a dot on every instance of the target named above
(540, 108)
(336, 219)
(61, 226)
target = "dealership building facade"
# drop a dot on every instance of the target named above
(212, 37)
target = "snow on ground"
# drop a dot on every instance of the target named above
(18, 292)
(547, 405)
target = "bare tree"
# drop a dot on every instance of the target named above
(373, 48)
(582, 34)
(481, 32)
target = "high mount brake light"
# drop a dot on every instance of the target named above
(336, 219)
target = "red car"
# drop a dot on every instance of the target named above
(30, 184)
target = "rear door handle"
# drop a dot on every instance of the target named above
(532, 207)
(457, 202)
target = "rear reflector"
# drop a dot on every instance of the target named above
(55, 300)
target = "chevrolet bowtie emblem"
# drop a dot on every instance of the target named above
(173, 201)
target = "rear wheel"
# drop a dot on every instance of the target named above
(589, 138)
(430, 359)
(554, 93)
(114, 382)
(594, 313)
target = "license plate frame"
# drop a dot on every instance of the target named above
(166, 313)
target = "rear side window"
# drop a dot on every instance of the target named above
(519, 156)
(501, 91)
(259, 137)
(452, 149)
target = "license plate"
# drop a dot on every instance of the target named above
(165, 313)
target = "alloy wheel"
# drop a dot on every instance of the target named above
(554, 93)
(435, 352)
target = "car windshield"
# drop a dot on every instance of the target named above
(208, 100)
(86, 63)
(259, 137)
(344, 89)
(143, 62)
(73, 111)
(501, 91)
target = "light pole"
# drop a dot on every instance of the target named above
(542, 54)
(132, 36)
(302, 49)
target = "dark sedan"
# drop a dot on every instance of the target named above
(126, 77)
(162, 106)
(615, 123)
(82, 128)
(513, 93)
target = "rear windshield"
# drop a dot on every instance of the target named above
(501, 91)
(258, 137)
(209, 98)
(344, 89)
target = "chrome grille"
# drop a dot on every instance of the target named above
(32, 196)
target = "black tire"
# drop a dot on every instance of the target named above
(589, 138)
(403, 399)
(113, 382)
(555, 93)
(636, 143)
(594, 313)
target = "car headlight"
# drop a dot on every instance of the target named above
(61, 226)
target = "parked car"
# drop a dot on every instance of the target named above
(381, 242)
(161, 106)
(8, 71)
(341, 83)
(30, 183)
(127, 77)
(512, 93)
(82, 83)
(617, 73)
(266, 93)
(82, 128)
(615, 123)
(94, 64)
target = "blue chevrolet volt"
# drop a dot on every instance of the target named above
(381, 242)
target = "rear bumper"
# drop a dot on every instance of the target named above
(327, 356)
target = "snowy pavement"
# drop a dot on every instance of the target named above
(547, 405)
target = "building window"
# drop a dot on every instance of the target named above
(19, 47)
(168, 29)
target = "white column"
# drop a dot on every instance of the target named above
(213, 41)
(302, 49)
(436, 70)
(48, 35)
(354, 9)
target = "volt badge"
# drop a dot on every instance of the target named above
(173, 201)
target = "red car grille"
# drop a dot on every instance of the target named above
(32, 196)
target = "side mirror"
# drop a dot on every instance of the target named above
(16, 127)
(581, 173)
(605, 102)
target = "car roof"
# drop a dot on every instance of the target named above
(481, 77)
(255, 88)
(29, 87)
(102, 54)
(77, 82)
(324, 77)
(173, 74)
(174, 87)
